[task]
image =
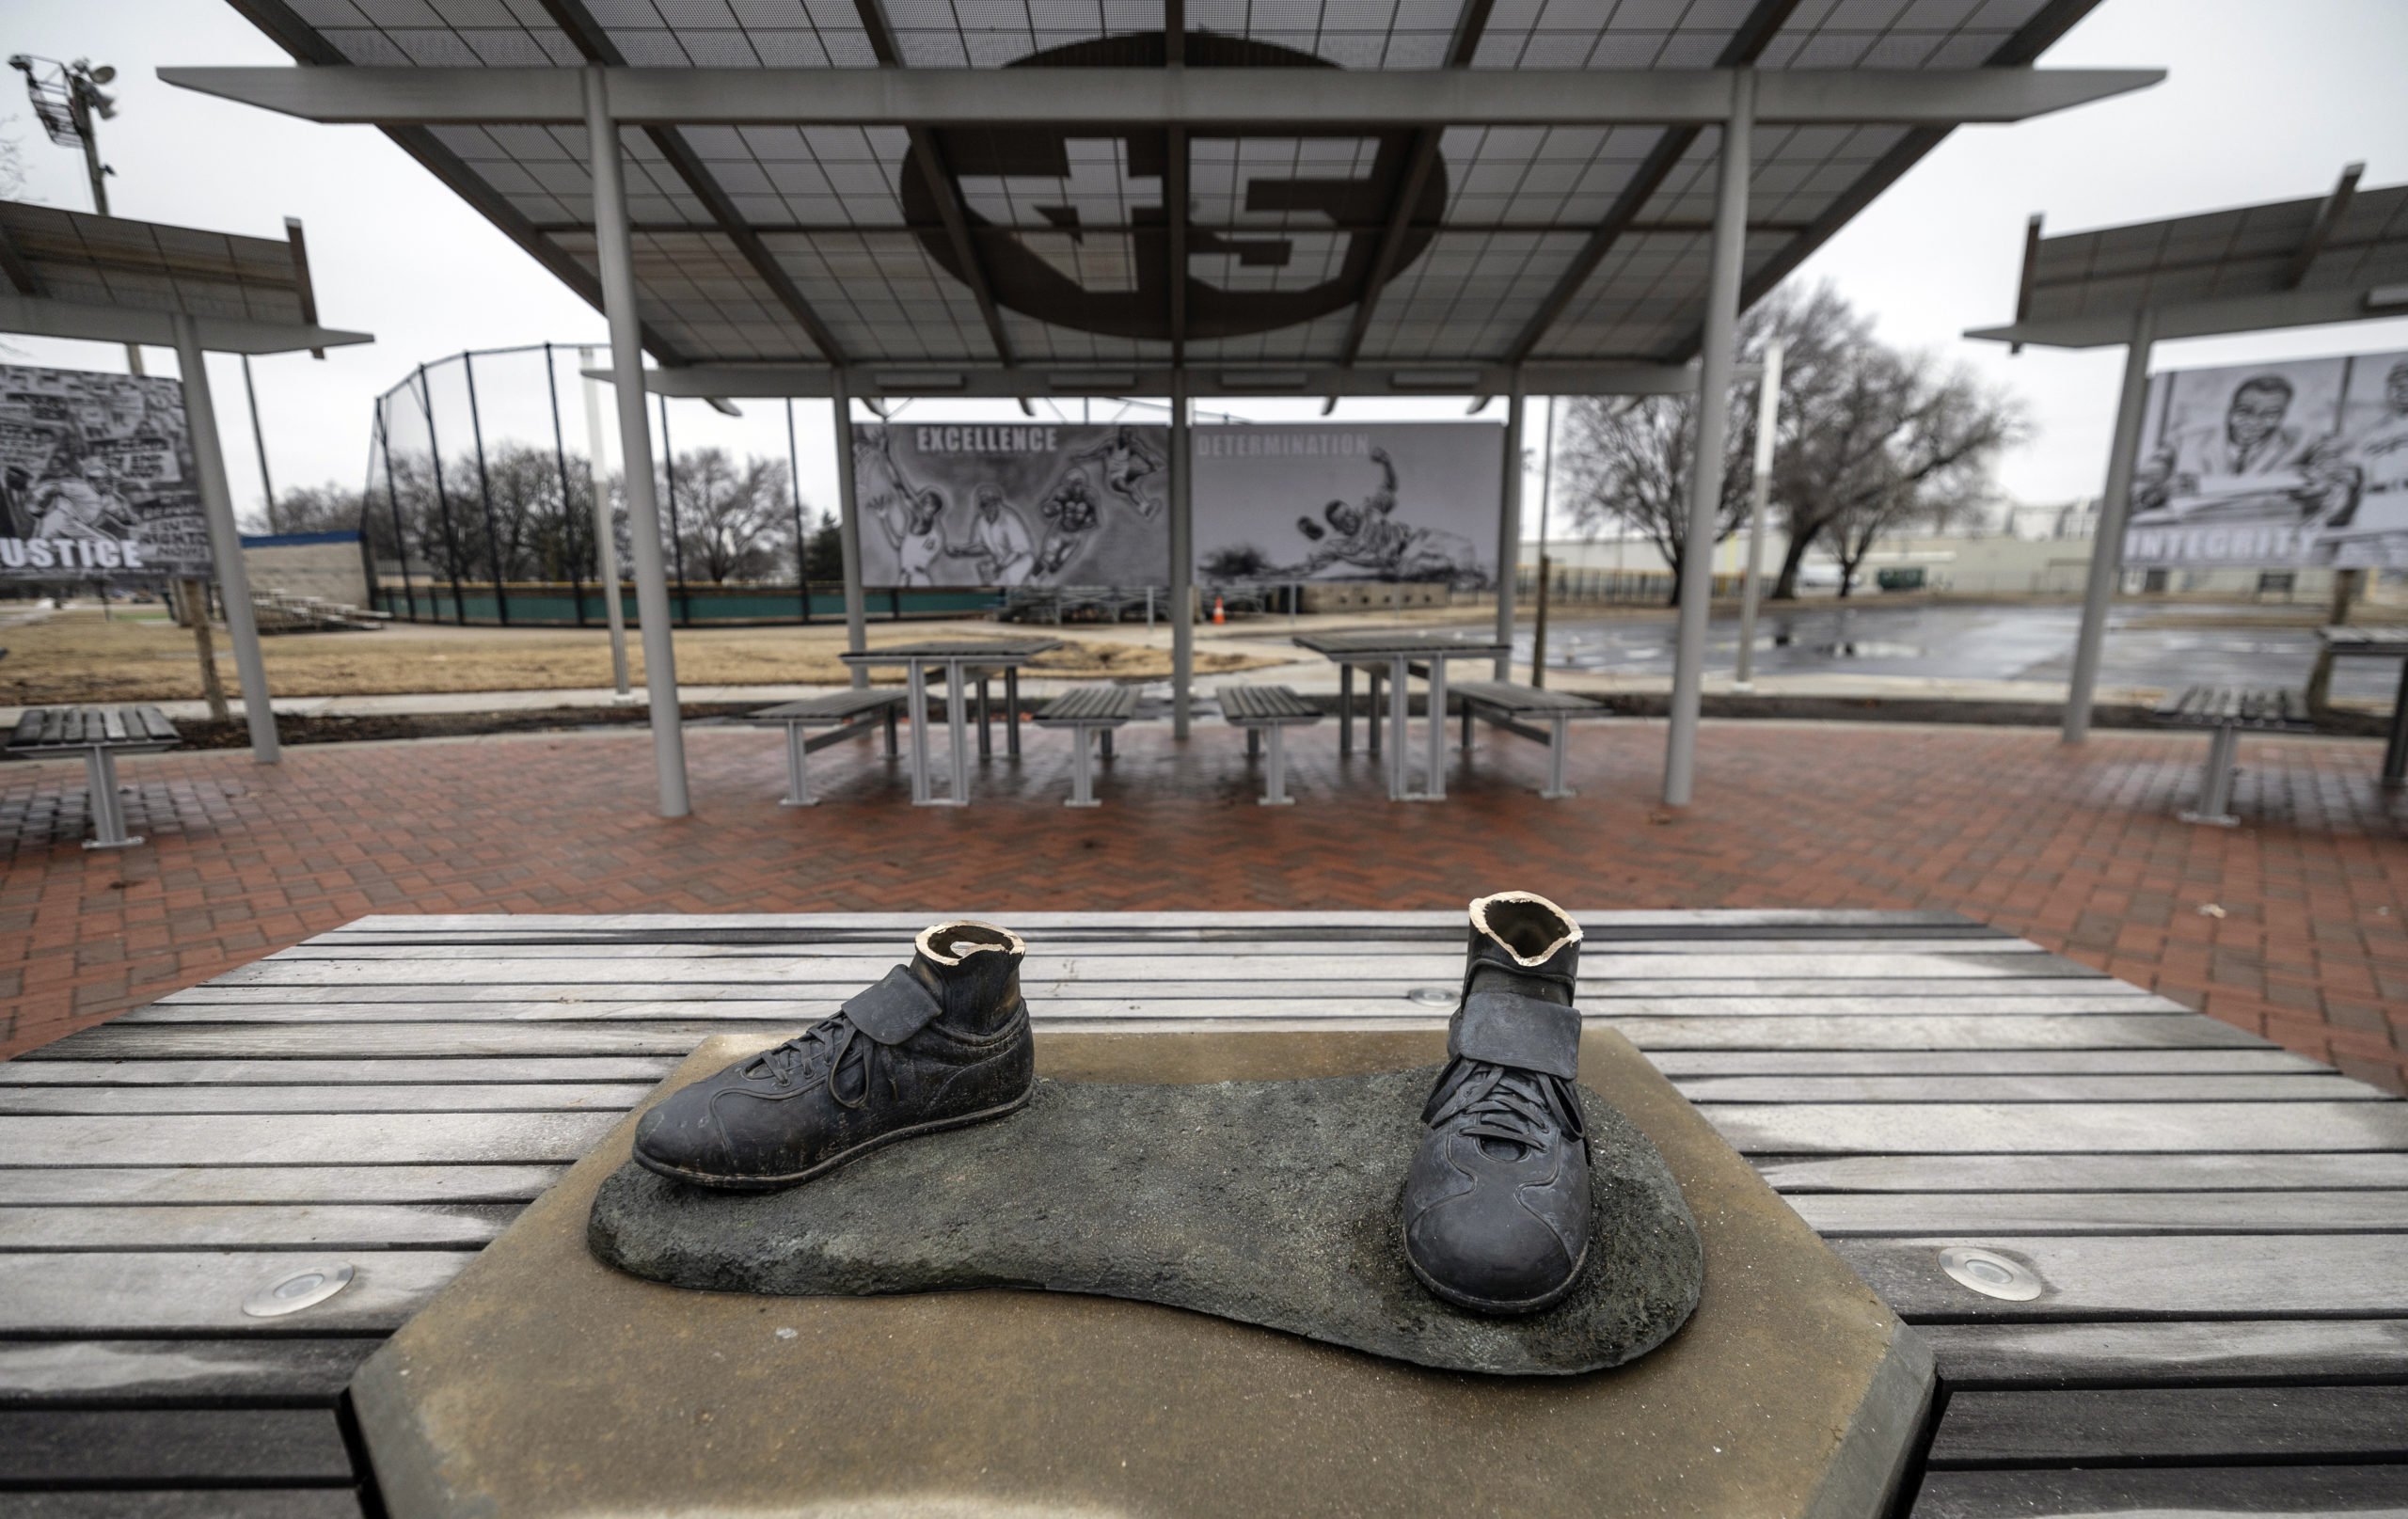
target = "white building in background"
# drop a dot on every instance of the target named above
(2025, 550)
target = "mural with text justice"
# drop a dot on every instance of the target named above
(95, 477)
(1038, 503)
(2297, 462)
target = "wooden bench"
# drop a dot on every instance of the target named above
(1085, 709)
(1504, 705)
(2227, 710)
(1273, 709)
(100, 734)
(845, 713)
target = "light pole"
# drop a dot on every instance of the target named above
(67, 97)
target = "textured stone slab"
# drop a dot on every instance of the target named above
(1268, 1202)
(543, 1383)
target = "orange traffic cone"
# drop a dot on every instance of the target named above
(1218, 615)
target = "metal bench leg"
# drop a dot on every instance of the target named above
(890, 732)
(1082, 777)
(1346, 710)
(108, 813)
(1011, 711)
(1253, 743)
(2395, 750)
(798, 770)
(1556, 790)
(1275, 790)
(986, 737)
(1437, 788)
(1466, 727)
(1375, 718)
(2215, 786)
(1107, 743)
(957, 690)
(919, 704)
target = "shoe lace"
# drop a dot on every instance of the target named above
(828, 1049)
(1505, 1102)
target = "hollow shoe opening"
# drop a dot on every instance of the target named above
(1530, 928)
(950, 944)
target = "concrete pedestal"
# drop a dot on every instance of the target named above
(543, 1383)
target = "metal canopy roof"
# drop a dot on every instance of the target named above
(72, 274)
(1423, 254)
(2338, 258)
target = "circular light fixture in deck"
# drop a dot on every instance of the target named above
(293, 1291)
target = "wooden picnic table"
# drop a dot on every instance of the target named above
(1394, 651)
(2386, 644)
(956, 657)
(2218, 1226)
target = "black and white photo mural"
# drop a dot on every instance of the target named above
(2303, 462)
(1013, 504)
(1397, 501)
(96, 478)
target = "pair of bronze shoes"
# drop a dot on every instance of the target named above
(1495, 1213)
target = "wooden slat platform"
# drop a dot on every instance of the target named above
(2224, 1225)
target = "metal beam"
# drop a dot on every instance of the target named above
(1469, 23)
(2051, 23)
(933, 168)
(876, 381)
(2328, 216)
(2195, 319)
(299, 38)
(592, 41)
(1746, 46)
(40, 318)
(1246, 99)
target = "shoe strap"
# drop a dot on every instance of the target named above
(1506, 1028)
(894, 1009)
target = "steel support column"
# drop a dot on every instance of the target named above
(1759, 502)
(1509, 533)
(2107, 549)
(1713, 428)
(1183, 558)
(225, 540)
(617, 259)
(849, 531)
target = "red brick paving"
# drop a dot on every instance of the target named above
(2076, 849)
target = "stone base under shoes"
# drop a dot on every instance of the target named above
(542, 1383)
(1271, 1203)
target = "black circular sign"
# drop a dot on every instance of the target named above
(1139, 305)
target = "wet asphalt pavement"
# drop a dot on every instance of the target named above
(1975, 642)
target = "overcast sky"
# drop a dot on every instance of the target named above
(2264, 103)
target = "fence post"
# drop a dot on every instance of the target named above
(443, 500)
(485, 492)
(568, 517)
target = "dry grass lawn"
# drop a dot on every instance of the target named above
(73, 656)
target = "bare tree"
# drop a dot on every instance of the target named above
(1626, 460)
(734, 522)
(1906, 443)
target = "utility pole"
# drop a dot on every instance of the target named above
(68, 100)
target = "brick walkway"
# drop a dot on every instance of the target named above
(2075, 849)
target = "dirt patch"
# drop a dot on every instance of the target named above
(75, 657)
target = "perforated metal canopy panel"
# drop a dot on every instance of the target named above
(2254, 250)
(107, 261)
(1029, 245)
